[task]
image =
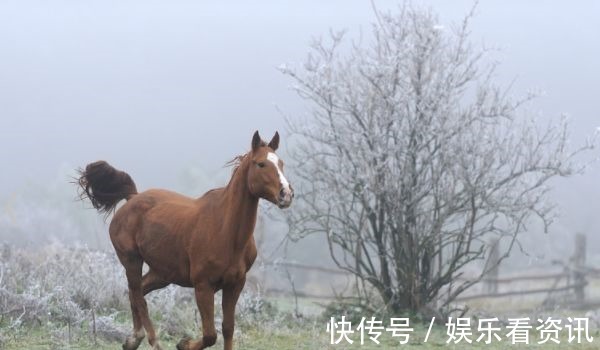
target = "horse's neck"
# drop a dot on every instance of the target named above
(241, 209)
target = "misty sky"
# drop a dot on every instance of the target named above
(157, 87)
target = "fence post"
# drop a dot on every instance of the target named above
(578, 269)
(491, 278)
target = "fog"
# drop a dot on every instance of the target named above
(171, 91)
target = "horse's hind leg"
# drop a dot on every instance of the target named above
(133, 341)
(139, 309)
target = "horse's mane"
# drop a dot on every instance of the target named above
(236, 162)
(239, 159)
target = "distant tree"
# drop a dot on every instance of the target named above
(413, 161)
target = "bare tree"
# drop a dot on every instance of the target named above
(413, 159)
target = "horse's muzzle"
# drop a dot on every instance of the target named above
(285, 197)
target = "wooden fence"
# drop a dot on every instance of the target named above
(570, 282)
(574, 277)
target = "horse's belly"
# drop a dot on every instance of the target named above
(165, 255)
(176, 272)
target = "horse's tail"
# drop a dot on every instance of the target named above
(105, 186)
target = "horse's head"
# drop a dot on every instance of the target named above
(265, 174)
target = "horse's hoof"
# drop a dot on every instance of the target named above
(184, 343)
(132, 343)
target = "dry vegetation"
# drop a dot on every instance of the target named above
(58, 297)
(77, 295)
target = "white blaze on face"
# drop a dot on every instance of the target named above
(272, 157)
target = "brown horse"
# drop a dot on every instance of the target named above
(205, 243)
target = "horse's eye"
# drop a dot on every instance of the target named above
(260, 165)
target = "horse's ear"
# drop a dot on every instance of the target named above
(256, 141)
(274, 143)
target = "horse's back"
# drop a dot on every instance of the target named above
(151, 206)
(163, 207)
(162, 195)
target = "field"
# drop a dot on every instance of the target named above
(288, 338)
(58, 297)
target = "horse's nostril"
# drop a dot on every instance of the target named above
(282, 193)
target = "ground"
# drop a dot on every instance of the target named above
(48, 301)
(288, 339)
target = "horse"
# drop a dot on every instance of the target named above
(205, 243)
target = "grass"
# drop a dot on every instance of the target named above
(44, 290)
(302, 338)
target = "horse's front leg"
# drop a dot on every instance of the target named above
(230, 298)
(205, 298)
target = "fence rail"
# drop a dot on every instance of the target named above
(300, 266)
(575, 276)
(521, 292)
